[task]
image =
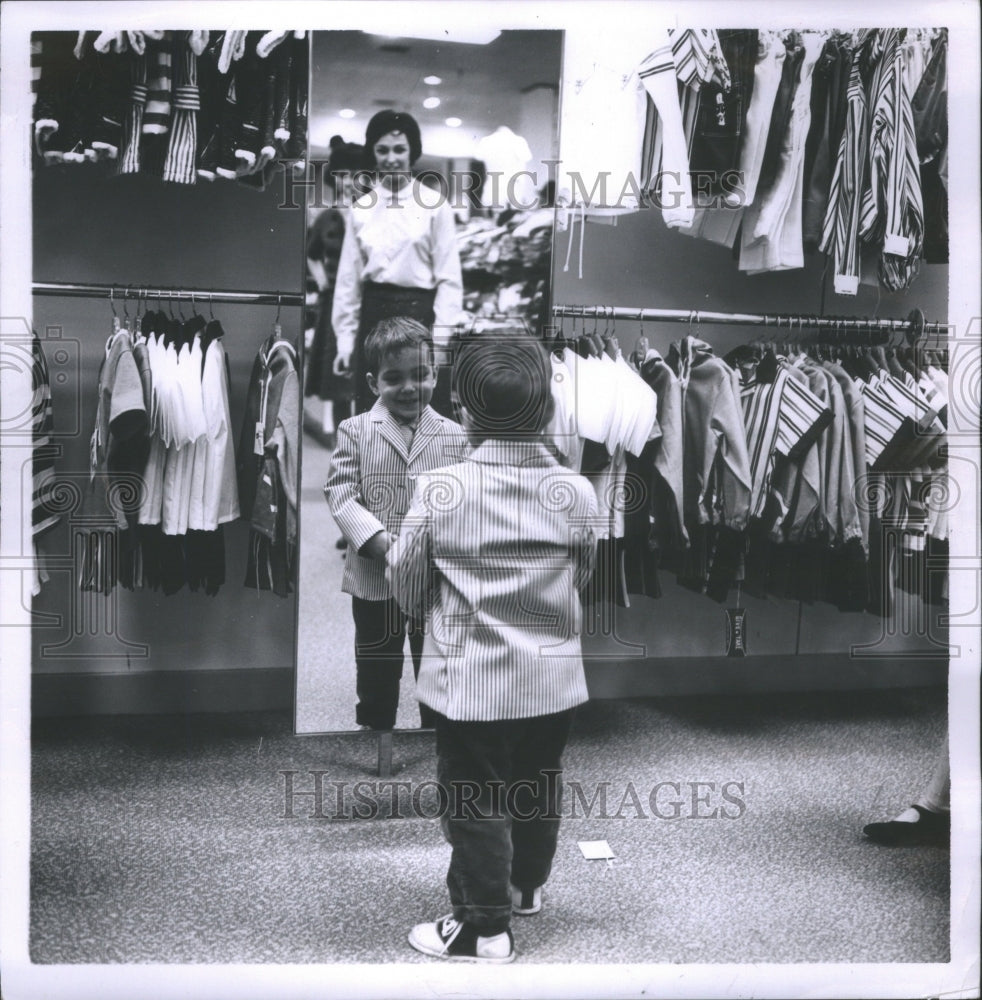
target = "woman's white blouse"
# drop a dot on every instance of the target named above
(406, 238)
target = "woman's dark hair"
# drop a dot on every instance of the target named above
(504, 381)
(346, 158)
(393, 121)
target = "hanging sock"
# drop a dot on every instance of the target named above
(281, 100)
(225, 166)
(156, 117)
(249, 89)
(179, 165)
(271, 40)
(212, 92)
(233, 48)
(111, 99)
(198, 40)
(296, 147)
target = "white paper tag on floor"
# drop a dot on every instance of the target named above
(596, 850)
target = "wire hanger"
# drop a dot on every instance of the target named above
(112, 305)
(641, 345)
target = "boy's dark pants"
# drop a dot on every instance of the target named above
(380, 634)
(503, 782)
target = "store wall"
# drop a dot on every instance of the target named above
(93, 227)
(669, 645)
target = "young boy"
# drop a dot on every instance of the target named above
(495, 550)
(378, 455)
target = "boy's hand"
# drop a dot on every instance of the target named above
(376, 546)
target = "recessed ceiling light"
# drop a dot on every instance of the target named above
(432, 81)
(347, 113)
(454, 122)
(431, 102)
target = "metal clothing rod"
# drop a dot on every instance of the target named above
(126, 292)
(788, 321)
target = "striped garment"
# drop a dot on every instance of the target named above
(783, 417)
(129, 159)
(674, 192)
(44, 512)
(698, 58)
(840, 233)
(890, 406)
(371, 481)
(883, 420)
(182, 148)
(156, 116)
(694, 56)
(892, 210)
(495, 551)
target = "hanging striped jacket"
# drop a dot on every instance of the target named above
(892, 210)
(840, 233)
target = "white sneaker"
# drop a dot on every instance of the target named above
(525, 902)
(449, 938)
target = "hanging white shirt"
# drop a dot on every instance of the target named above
(506, 159)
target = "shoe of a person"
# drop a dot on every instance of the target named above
(450, 939)
(525, 902)
(930, 829)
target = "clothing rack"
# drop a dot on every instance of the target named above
(914, 326)
(132, 291)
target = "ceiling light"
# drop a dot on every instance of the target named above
(347, 113)
(475, 35)
(432, 81)
(431, 102)
(454, 122)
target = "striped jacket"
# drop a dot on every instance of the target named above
(371, 483)
(494, 552)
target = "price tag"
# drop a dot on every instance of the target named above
(897, 245)
(846, 284)
(258, 441)
(736, 631)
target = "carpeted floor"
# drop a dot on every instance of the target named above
(167, 839)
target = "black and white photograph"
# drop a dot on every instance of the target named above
(490, 499)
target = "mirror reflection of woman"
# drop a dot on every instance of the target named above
(399, 256)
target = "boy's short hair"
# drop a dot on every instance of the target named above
(504, 381)
(395, 334)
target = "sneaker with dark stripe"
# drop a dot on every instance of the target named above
(460, 942)
(525, 902)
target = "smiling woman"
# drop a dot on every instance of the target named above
(399, 256)
(438, 230)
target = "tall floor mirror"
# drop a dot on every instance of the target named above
(487, 110)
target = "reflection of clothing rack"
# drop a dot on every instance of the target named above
(124, 292)
(913, 325)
